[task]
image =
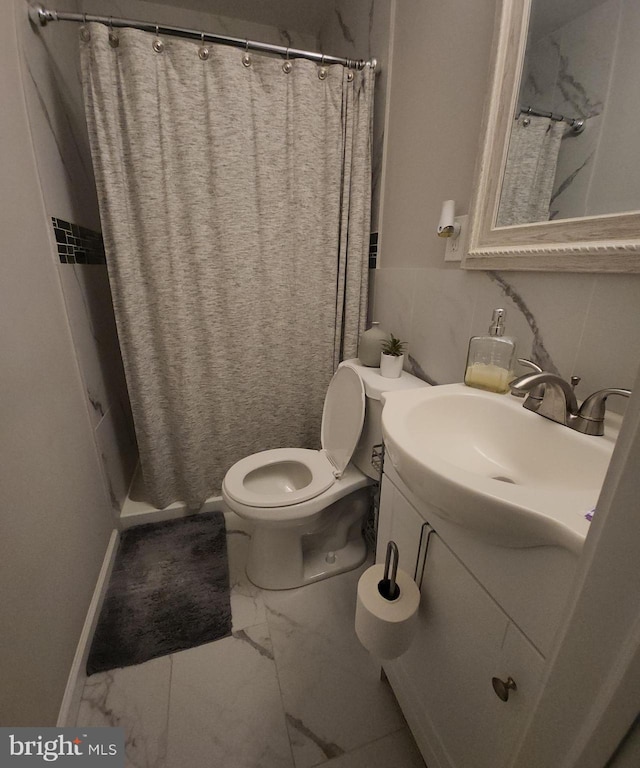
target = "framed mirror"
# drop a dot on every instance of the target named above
(558, 181)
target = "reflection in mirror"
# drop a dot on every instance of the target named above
(605, 178)
(573, 144)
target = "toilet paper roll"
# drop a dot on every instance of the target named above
(386, 627)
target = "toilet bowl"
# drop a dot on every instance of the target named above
(307, 507)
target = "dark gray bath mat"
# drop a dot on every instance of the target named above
(169, 590)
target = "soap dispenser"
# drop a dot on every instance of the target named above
(490, 358)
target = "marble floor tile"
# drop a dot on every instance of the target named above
(291, 688)
(136, 699)
(225, 707)
(397, 750)
(331, 689)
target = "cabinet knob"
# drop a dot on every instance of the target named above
(502, 688)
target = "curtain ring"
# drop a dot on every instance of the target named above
(322, 71)
(203, 51)
(287, 66)
(85, 35)
(158, 45)
(114, 40)
(246, 58)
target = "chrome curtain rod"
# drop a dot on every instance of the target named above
(577, 123)
(41, 16)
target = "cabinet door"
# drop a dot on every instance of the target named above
(398, 521)
(445, 678)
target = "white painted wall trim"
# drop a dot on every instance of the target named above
(68, 713)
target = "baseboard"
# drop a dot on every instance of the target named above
(77, 676)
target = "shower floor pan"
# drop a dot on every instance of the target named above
(137, 511)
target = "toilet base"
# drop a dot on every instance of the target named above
(285, 559)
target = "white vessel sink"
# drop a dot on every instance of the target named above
(484, 462)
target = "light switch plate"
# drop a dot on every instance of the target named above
(456, 246)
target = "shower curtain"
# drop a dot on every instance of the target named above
(530, 170)
(235, 205)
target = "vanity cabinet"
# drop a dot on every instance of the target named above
(464, 639)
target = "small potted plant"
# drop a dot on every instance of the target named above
(392, 358)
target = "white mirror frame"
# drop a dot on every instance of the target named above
(608, 243)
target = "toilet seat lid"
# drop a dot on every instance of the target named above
(342, 417)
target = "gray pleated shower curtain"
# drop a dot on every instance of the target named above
(235, 204)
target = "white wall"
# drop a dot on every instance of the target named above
(56, 516)
(587, 325)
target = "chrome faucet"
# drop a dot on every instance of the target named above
(592, 410)
(554, 398)
(534, 367)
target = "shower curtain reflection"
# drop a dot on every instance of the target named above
(530, 170)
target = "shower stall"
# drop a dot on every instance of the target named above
(233, 348)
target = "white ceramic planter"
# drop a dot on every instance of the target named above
(391, 366)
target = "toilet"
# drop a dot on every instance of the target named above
(307, 507)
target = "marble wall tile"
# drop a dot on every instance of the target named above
(136, 699)
(585, 47)
(50, 61)
(361, 30)
(225, 705)
(174, 15)
(546, 313)
(391, 301)
(616, 181)
(118, 453)
(608, 354)
(337, 702)
(444, 303)
(574, 324)
(574, 171)
(88, 305)
(569, 72)
(540, 73)
(56, 112)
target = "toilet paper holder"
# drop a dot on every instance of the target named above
(387, 587)
(425, 537)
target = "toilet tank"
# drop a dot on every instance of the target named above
(374, 386)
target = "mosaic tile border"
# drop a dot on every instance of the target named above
(373, 250)
(77, 245)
